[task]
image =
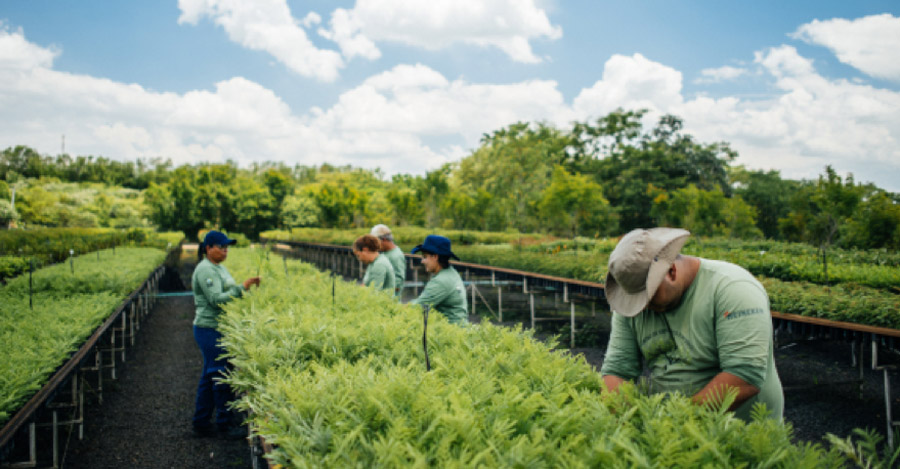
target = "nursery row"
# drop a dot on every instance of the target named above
(784, 261)
(340, 380)
(842, 302)
(404, 235)
(38, 333)
(18, 248)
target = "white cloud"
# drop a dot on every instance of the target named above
(508, 25)
(17, 53)
(267, 25)
(716, 75)
(386, 121)
(631, 83)
(869, 44)
(395, 119)
(812, 121)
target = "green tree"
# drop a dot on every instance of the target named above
(514, 165)
(8, 213)
(876, 223)
(405, 204)
(299, 211)
(705, 212)
(575, 203)
(819, 211)
(768, 193)
(663, 159)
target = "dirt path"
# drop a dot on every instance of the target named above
(145, 419)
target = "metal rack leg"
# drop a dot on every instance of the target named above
(887, 409)
(572, 324)
(531, 304)
(500, 302)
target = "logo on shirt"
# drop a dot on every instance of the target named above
(742, 313)
(209, 282)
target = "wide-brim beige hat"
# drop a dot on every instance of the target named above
(638, 265)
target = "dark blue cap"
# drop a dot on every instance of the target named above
(435, 244)
(214, 238)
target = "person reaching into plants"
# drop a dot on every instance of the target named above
(445, 291)
(213, 286)
(702, 327)
(394, 254)
(379, 271)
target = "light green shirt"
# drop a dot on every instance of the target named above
(212, 286)
(398, 261)
(380, 275)
(445, 292)
(722, 324)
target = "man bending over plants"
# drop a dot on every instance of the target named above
(703, 327)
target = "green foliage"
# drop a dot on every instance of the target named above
(24, 162)
(864, 450)
(101, 271)
(8, 214)
(346, 386)
(10, 266)
(767, 193)
(51, 203)
(67, 309)
(51, 245)
(299, 212)
(575, 201)
(705, 213)
(404, 235)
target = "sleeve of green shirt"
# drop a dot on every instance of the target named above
(215, 292)
(743, 331)
(433, 293)
(375, 275)
(623, 356)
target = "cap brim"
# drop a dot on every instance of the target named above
(231, 242)
(416, 249)
(623, 303)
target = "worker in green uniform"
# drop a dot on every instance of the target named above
(379, 272)
(445, 291)
(702, 327)
(213, 286)
(394, 254)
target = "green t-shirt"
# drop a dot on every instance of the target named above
(398, 262)
(212, 286)
(380, 275)
(723, 324)
(445, 292)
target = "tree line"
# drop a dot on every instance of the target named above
(595, 178)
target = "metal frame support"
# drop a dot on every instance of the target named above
(499, 302)
(531, 305)
(572, 324)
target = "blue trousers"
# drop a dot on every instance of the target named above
(212, 394)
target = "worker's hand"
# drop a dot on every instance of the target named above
(251, 281)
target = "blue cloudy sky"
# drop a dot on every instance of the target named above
(409, 85)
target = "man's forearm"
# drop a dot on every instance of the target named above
(720, 385)
(612, 382)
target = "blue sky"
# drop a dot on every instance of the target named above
(407, 86)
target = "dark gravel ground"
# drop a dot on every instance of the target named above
(145, 420)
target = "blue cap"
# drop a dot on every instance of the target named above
(435, 244)
(214, 238)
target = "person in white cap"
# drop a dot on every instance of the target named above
(702, 327)
(393, 254)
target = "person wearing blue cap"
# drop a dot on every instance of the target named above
(213, 286)
(445, 291)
